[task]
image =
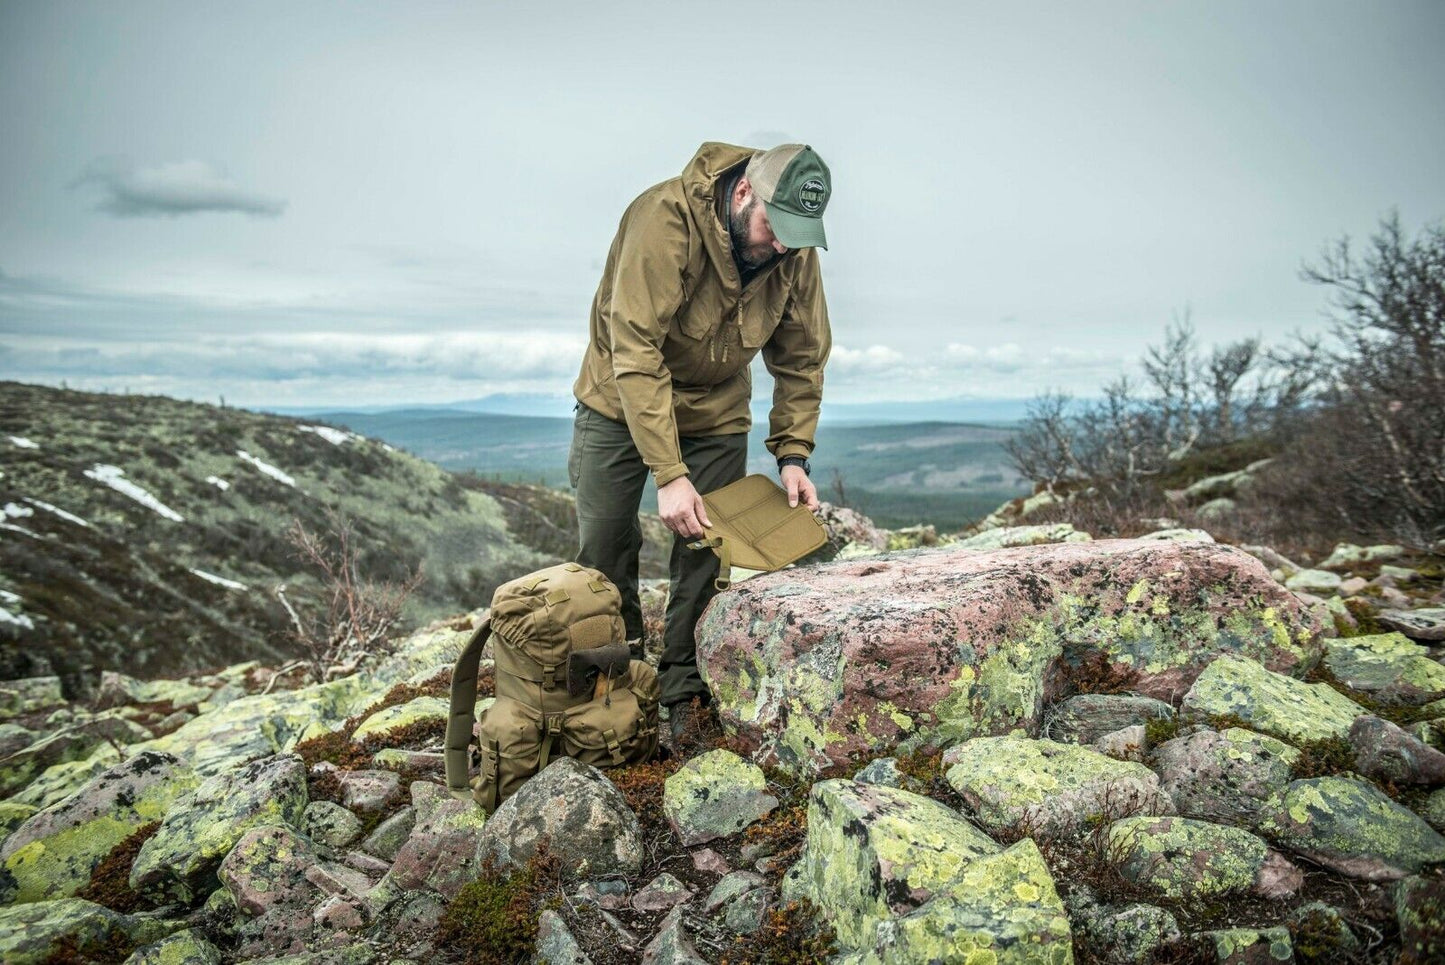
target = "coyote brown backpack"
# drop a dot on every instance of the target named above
(565, 685)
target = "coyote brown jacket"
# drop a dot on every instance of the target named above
(673, 330)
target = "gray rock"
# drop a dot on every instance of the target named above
(1346, 556)
(582, 815)
(715, 795)
(1434, 811)
(1318, 582)
(369, 791)
(1129, 934)
(555, 944)
(28, 695)
(391, 834)
(1085, 718)
(884, 771)
(1124, 744)
(200, 829)
(1318, 918)
(1216, 509)
(730, 888)
(75, 742)
(1181, 858)
(328, 823)
(745, 914)
(1388, 666)
(338, 879)
(1387, 753)
(661, 893)
(13, 738)
(1422, 624)
(1351, 827)
(672, 946)
(339, 914)
(1227, 777)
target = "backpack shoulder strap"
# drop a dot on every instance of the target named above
(463, 713)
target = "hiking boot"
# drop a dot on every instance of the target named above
(682, 720)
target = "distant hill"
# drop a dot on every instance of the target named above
(146, 534)
(945, 473)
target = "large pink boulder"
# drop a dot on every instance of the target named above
(823, 666)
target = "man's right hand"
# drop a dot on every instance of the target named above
(681, 508)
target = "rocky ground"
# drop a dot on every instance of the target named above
(1023, 746)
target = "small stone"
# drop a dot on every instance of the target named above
(365, 863)
(731, 887)
(1423, 624)
(328, 823)
(608, 894)
(369, 790)
(1124, 744)
(1320, 933)
(1420, 910)
(745, 914)
(336, 879)
(269, 866)
(390, 834)
(672, 946)
(1384, 752)
(338, 914)
(1181, 859)
(555, 944)
(885, 771)
(1085, 718)
(189, 947)
(1249, 946)
(710, 861)
(1318, 582)
(1129, 935)
(1354, 586)
(660, 894)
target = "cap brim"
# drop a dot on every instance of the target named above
(795, 230)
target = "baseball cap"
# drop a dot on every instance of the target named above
(795, 185)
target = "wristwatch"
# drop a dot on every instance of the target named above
(799, 461)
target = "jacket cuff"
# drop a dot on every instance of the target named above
(667, 474)
(793, 449)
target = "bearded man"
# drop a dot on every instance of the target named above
(707, 270)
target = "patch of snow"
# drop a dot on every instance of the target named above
(16, 511)
(7, 597)
(387, 448)
(19, 619)
(218, 482)
(23, 443)
(112, 477)
(334, 436)
(219, 580)
(21, 530)
(267, 468)
(71, 517)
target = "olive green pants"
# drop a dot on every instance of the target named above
(609, 475)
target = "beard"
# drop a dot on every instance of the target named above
(758, 255)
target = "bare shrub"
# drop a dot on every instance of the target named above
(350, 617)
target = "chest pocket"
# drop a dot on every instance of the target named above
(763, 310)
(695, 319)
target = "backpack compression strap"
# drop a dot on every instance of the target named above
(463, 713)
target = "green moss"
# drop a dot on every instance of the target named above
(1160, 730)
(493, 920)
(1325, 757)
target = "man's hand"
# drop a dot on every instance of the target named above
(681, 508)
(799, 487)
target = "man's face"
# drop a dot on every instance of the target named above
(752, 236)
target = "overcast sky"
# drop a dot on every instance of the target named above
(358, 203)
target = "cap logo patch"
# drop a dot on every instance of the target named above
(811, 194)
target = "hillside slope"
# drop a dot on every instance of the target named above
(147, 534)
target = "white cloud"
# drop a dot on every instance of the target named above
(873, 359)
(171, 189)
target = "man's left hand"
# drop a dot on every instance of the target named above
(799, 487)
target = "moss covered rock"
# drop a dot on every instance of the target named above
(1227, 776)
(188, 947)
(71, 929)
(12, 815)
(28, 695)
(874, 853)
(1390, 667)
(1046, 786)
(439, 850)
(53, 854)
(1352, 827)
(1180, 858)
(1250, 946)
(1270, 702)
(59, 781)
(198, 831)
(1127, 934)
(74, 742)
(1420, 911)
(1007, 536)
(715, 795)
(328, 823)
(422, 709)
(117, 689)
(267, 867)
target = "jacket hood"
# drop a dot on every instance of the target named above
(699, 182)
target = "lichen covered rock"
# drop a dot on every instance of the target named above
(201, 828)
(828, 664)
(328, 823)
(267, 868)
(1389, 667)
(874, 853)
(1351, 827)
(54, 852)
(1420, 911)
(440, 851)
(32, 933)
(1128, 934)
(188, 947)
(1227, 776)
(1269, 702)
(1003, 909)
(1250, 946)
(1384, 752)
(1048, 787)
(1180, 858)
(715, 795)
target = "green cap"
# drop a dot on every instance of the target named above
(795, 185)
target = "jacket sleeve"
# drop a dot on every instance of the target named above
(795, 356)
(646, 293)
